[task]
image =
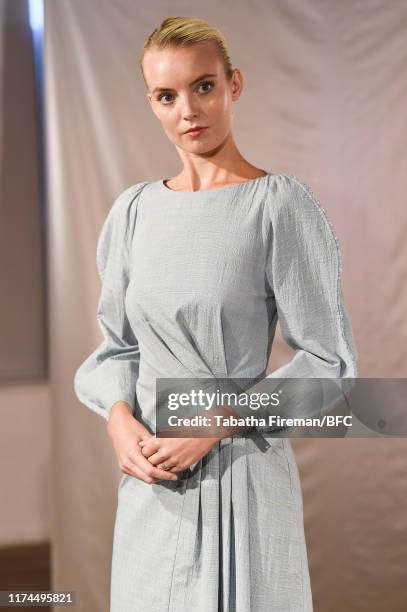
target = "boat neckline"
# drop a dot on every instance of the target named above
(163, 186)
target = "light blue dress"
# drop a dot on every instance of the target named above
(192, 286)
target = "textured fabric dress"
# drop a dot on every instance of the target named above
(193, 284)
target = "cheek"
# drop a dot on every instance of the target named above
(221, 118)
(220, 108)
(169, 121)
(227, 105)
(166, 116)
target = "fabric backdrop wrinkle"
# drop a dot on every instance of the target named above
(323, 99)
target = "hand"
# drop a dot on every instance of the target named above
(178, 453)
(126, 432)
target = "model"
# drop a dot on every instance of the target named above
(196, 270)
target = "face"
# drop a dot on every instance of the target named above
(188, 87)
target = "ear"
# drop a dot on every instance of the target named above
(237, 84)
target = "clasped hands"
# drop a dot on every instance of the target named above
(147, 457)
(175, 454)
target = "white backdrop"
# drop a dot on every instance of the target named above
(324, 99)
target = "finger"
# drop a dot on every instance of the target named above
(173, 469)
(148, 450)
(158, 457)
(160, 462)
(145, 477)
(151, 444)
(135, 460)
(155, 472)
(139, 474)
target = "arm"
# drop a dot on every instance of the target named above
(110, 373)
(303, 274)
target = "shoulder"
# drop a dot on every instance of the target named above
(119, 223)
(126, 201)
(293, 205)
(291, 195)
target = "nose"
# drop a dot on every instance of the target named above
(189, 107)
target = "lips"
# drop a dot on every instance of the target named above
(196, 129)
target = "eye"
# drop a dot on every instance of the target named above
(206, 83)
(161, 96)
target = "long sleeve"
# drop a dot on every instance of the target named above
(303, 274)
(110, 373)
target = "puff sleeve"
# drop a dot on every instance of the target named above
(110, 373)
(303, 275)
(304, 272)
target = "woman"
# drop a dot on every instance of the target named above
(195, 272)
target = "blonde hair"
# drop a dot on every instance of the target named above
(186, 31)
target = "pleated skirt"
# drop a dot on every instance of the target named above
(229, 537)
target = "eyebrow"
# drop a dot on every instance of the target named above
(202, 76)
